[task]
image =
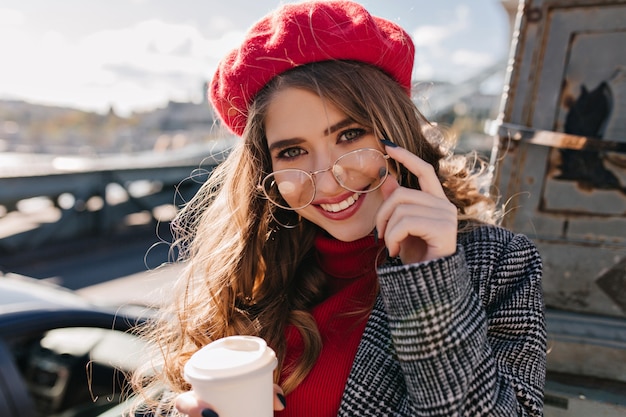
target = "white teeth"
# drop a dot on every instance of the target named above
(334, 208)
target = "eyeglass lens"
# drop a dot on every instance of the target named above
(362, 170)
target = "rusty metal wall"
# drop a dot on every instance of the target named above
(560, 166)
(568, 192)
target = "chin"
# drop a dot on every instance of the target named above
(348, 230)
(349, 235)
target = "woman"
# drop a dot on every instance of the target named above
(342, 232)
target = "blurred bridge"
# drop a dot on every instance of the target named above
(81, 221)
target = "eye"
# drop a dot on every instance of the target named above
(290, 153)
(352, 134)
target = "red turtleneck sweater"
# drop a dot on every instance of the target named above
(351, 271)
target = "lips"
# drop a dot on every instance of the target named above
(337, 207)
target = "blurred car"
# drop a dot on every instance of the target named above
(61, 355)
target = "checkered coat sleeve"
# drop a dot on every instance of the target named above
(458, 336)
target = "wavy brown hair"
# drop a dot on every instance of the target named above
(244, 273)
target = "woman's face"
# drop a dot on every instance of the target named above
(305, 132)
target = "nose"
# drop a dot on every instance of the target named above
(325, 182)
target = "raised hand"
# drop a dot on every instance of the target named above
(416, 225)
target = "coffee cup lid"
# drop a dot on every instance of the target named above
(230, 356)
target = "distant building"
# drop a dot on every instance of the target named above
(177, 116)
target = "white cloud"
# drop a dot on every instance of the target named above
(144, 65)
(220, 24)
(463, 14)
(472, 59)
(436, 57)
(432, 36)
(423, 71)
(10, 17)
(149, 37)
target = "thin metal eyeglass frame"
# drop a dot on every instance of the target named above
(311, 175)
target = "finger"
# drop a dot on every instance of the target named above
(407, 196)
(424, 171)
(389, 186)
(279, 398)
(419, 218)
(187, 403)
(410, 198)
(418, 239)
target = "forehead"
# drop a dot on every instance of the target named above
(298, 113)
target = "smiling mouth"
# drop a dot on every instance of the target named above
(334, 208)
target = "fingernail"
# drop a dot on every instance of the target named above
(389, 143)
(375, 235)
(207, 412)
(281, 398)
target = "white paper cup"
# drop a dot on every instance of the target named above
(234, 375)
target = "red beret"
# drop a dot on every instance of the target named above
(302, 33)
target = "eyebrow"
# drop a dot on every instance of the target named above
(295, 141)
(284, 143)
(339, 125)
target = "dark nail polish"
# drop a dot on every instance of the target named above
(389, 143)
(281, 398)
(375, 235)
(207, 412)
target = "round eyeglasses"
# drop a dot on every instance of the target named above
(361, 171)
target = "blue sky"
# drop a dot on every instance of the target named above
(137, 54)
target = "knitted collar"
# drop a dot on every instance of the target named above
(347, 260)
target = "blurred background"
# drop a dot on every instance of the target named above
(105, 132)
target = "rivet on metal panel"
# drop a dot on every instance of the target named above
(534, 15)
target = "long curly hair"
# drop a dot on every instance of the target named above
(245, 273)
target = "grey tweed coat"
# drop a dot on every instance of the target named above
(458, 336)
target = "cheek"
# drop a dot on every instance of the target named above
(375, 201)
(294, 194)
(390, 184)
